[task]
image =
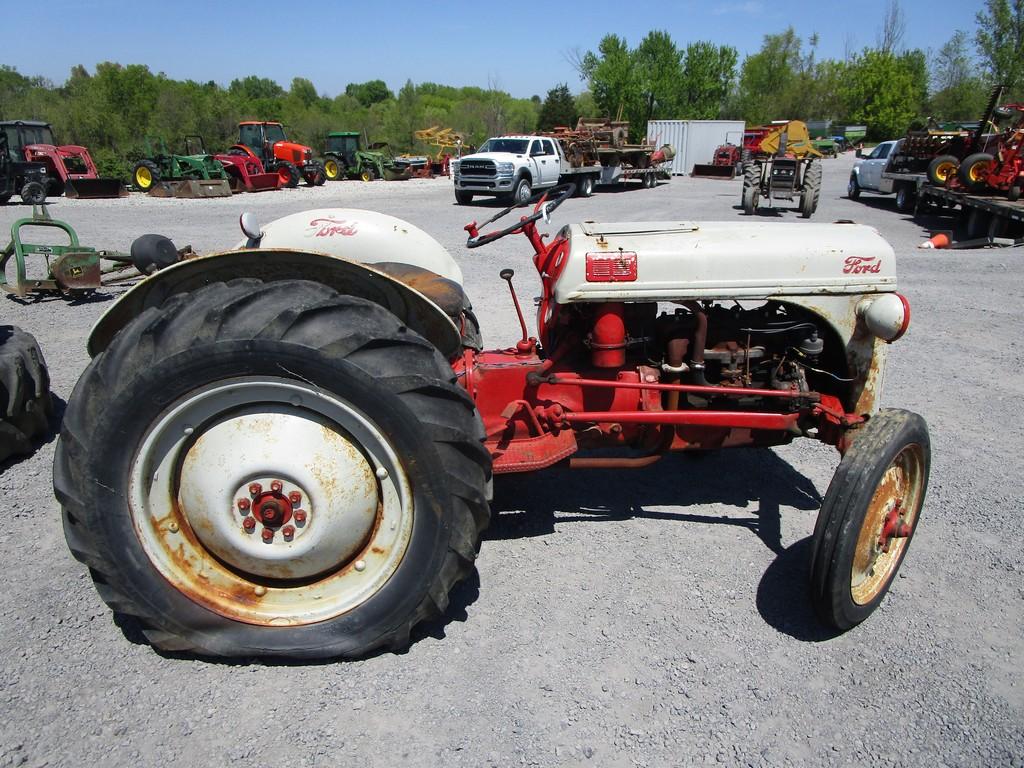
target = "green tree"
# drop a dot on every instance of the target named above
(369, 93)
(707, 77)
(559, 108)
(657, 74)
(609, 74)
(884, 91)
(769, 78)
(1000, 40)
(957, 91)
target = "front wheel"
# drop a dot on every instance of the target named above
(272, 469)
(288, 174)
(33, 193)
(145, 175)
(315, 176)
(463, 198)
(869, 516)
(522, 192)
(853, 188)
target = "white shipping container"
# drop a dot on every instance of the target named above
(695, 141)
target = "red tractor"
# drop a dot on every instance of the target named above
(1002, 171)
(299, 463)
(267, 142)
(69, 168)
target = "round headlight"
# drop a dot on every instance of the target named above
(886, 316)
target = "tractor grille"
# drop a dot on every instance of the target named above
(477, 168)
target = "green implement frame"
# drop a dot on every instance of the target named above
(71, 269)
(194, 174)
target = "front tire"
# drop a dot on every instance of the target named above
(853, 188)
(176, 431)
(145, 175)
(974, 170)
(288, 174)
(463, 198)
(33, 193)
(522, 192)
(869, 516)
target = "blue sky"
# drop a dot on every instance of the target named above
(520, 47)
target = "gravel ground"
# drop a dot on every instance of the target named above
(658, 617)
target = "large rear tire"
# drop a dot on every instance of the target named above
(869, 516)
(751, 188)
(25, 404)
(192, 444)
(333, 169)
(811, 191)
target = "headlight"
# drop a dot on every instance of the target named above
(454, 166)
(886, 316)
(505, 168)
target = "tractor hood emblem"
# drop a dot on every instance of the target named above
(856, 265)
(330, 227)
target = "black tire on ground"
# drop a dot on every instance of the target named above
(751, 188)
(905, 198)
(289, 336)
(315, 176)
(33, 193)
(522, 191)
(25, 404)
(649, 181)
(974, 170)
(585, 186)
(853, 188)
(812, 189)
(288, 172)
(879, 487)
(941, 168)
(145, 174)
(463, 198)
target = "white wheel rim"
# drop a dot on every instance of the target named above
(190, 500)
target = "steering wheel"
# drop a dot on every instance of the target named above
(542, 210)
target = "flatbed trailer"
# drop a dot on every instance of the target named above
(983, 215)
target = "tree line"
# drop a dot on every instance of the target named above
(886, 86)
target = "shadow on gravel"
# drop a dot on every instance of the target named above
(526, 506)
(768, 213)
(784, 598)
(76, 301)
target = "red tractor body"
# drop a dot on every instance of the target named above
(246, 173)
(291, 161)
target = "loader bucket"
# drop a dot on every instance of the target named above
(714, 171)
(192, 188)
(262, 182)
(94, 189)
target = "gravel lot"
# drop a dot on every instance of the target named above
(656, 618)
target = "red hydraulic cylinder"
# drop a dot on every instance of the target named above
(608, 340)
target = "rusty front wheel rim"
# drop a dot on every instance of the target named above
(183, 531)
(897, 497)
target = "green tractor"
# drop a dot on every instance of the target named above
(193, 174)
(344, 158)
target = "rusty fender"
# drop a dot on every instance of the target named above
(347, 277)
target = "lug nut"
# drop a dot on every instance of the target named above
(288, 531)
(268, 535)
(276, 486)
(295, 498)
(248, 524)
(243, 505)
(300, 516)
(255, 489)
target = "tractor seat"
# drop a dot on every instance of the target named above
(447, 294)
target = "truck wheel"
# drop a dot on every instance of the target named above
(288, 174)
(272, 469)
(941, 168)
(332, 169)
(648, 181)
(974, 170)
(522, 191)
(853, 188)
(904, 198)
(585, 187)
(145, 174)
(25, 405)
(33, 193)
(463, 198)
(868, 517)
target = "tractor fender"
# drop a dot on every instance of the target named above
(270, 265)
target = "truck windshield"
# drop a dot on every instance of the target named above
(275, 133)
(513, 146)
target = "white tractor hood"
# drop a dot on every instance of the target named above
(736, 259)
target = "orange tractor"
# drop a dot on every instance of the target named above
(267, 142)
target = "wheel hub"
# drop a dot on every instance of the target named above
(311, 513)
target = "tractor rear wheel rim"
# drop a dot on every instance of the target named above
(888, 524)
(270, 502)
(143, 177)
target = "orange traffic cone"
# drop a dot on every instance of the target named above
(940, 240)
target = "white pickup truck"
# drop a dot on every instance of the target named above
(515, 166)
(875, 173)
